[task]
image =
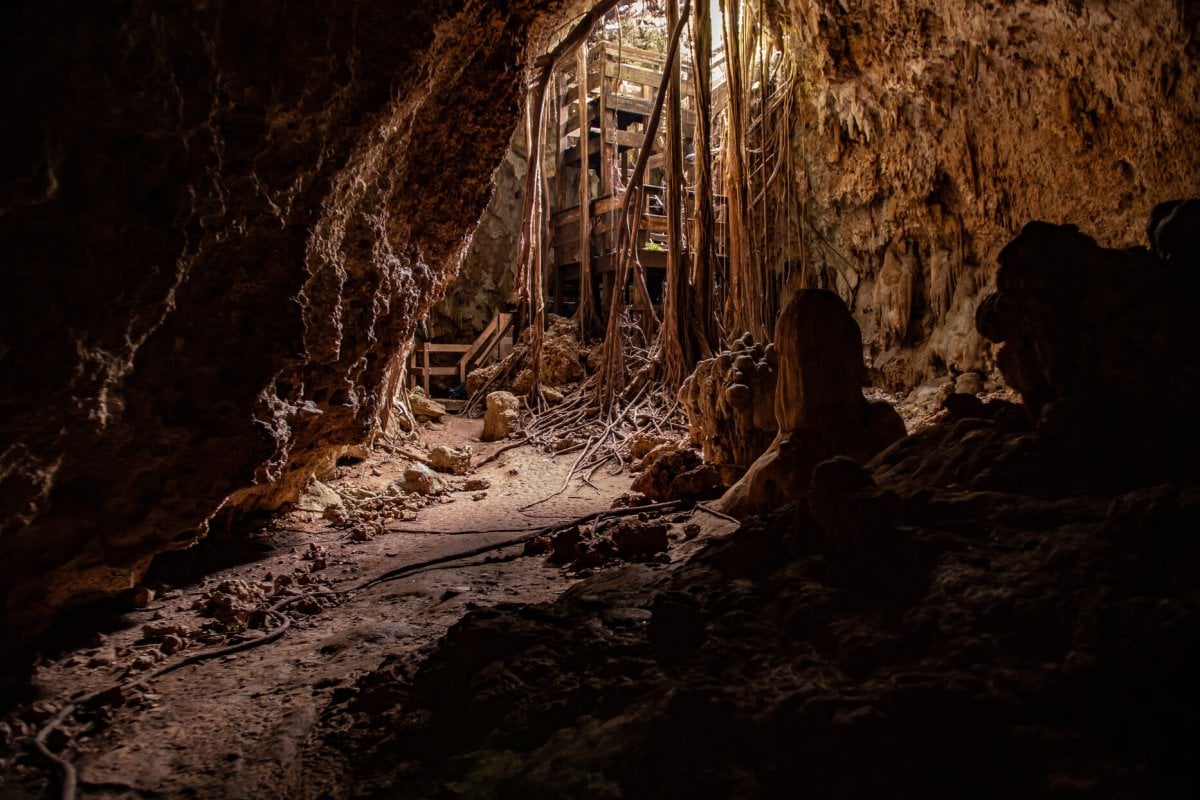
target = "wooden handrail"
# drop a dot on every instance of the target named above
(481, 348)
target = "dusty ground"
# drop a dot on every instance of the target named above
(232, 727)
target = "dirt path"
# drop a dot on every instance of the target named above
(233, 727)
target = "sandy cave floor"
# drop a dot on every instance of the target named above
(234, 726)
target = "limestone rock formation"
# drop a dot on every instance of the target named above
(819, 408)
(502, 417)
(420, 479)
(730, 403)
(216, 252)
(674, 473)
(1102, 339)
(928, 132)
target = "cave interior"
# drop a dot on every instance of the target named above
(600, 399)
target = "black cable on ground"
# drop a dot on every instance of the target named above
(69, 778)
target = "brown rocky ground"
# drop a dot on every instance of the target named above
(242, 725)
(970, 627)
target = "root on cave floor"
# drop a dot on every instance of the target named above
(224, 727)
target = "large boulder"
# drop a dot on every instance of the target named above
(820, 411)
(1101, 345)
(502, 417)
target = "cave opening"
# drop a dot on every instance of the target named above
(669, 398)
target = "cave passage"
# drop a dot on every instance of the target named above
(600, 398)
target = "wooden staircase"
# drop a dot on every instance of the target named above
(421, 361)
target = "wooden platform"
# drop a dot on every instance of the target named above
(603, 109)
(421, 366)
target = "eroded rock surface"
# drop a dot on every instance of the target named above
(930, 131)
(994, 593)
(1098, 339)
(218, 242)
(820, 411)
(730, 403)
(502, 417)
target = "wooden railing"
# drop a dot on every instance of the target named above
(470, 355)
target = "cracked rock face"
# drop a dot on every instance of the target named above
(222, 224)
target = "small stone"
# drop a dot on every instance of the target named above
(479, 496)
(420, 479)
(452, 460)
(551, 395)
(636, 541)
(160, 630)
(142, 596)
(103, 657)
(171, 644)
(424, 406)
(476, 484)
(318, 497)
(969, 383)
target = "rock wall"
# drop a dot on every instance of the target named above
(219, 224)
(486, 280)
(930, 131)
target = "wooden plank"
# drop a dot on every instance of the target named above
(612, 50)
(639, 76)
(638, 105)
(447, 348)
(623, 138)
(565, 216)
(566, 233)
(440, 371)
(585, 201)
(603, 205)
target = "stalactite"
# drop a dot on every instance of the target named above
(894, 289)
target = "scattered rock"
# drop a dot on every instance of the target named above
(453, 460)
(637, 541)
(424, 406)
(677, 474)
(502, 417)
(318, 497)
(172, 644)
(476, 484)
(159, 630)
(420, 479)
(103, 657)
(141, 596)
(642, 443)
(969, 383)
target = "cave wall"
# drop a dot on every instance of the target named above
(487, 277)
(219, 223)
(930, 131)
